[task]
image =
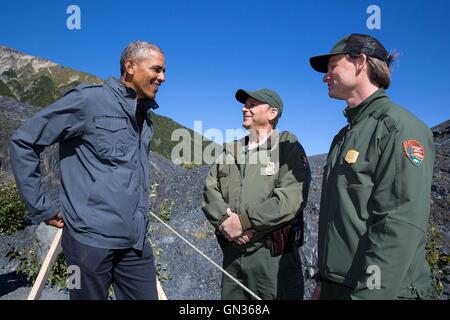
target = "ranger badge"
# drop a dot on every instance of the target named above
(270, 169)
(351, 156)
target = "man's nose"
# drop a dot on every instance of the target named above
(326, 77)
(162, 76)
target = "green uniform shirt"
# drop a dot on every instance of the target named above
(375, 202)
(266, 186)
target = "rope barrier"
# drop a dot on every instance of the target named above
(207, 258)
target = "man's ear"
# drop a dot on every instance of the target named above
(130, 67)
(273, 113)
(360, 63)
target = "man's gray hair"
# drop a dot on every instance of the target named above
(135, 51)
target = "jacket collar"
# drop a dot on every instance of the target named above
(128, 93)
(366, 107)
(237, 147)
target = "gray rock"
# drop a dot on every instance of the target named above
(48, 293)
(44, 237)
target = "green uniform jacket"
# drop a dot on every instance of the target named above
(265, 192)
(375, 205)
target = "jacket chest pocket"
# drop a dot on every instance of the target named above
(358, 173)
(111, 137)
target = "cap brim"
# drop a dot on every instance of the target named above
(320, 63)
(241, 95)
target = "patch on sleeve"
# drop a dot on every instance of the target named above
(414, 151)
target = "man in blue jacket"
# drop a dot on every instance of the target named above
(104, 134)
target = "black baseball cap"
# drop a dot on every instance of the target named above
(264, 95)
(352, 44)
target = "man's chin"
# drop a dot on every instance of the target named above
(334, 96)
(151, 96)
(146, 95)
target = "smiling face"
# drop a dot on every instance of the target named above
(146, 74)
(257, 115)
(341, 77)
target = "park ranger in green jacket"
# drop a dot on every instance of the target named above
(254, 196)
(376, 183)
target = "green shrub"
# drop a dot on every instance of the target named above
(30, 267)
(4, 90)
(162, 273)
(58, 275)
(165, 210)
(10, 73)
(12, 209)
(436, 260)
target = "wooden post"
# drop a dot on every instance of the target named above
(47, 266)
(161, 294)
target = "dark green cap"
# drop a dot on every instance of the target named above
(264, 95)
(353, 44)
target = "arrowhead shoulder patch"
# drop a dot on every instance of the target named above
(414, 151)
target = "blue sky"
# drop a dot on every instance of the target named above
(215, 47)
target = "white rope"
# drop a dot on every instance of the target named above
(207, 258)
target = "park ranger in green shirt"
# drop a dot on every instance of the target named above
(376, 184)
(254, 197)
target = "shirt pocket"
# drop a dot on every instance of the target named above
(359, 173)
(111, 137)
(268, 183)
(410, 292)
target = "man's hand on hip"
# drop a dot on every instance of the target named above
(56, 221)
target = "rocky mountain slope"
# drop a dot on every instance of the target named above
(12, 114)
(34, 80)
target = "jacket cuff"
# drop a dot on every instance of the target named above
(50, 213)
(223, 218)
(245, 221)
(215, 212)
